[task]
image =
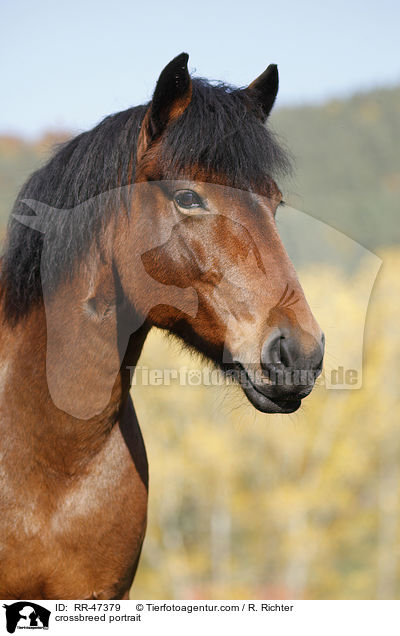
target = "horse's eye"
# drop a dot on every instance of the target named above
(280, 205)
(188, 199)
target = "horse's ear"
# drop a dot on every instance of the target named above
(171, 97)
(265, 88)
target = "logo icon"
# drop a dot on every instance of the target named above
(26, 615)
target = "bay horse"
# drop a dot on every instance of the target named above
(162, 215)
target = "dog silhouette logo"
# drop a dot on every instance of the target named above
(26, 615)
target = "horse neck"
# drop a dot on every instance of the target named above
(41, 407)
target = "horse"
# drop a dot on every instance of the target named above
(160, 216)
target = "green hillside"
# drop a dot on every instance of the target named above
(347, 164)
(347, 168)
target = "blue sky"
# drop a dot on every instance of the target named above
(67, 64)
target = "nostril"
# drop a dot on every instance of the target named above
(275, 351)
(271, 352)
(284, 352)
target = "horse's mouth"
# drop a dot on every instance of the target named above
(261, 401)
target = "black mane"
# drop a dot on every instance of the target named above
(220, 132)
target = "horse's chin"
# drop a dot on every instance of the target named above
(266, 405)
